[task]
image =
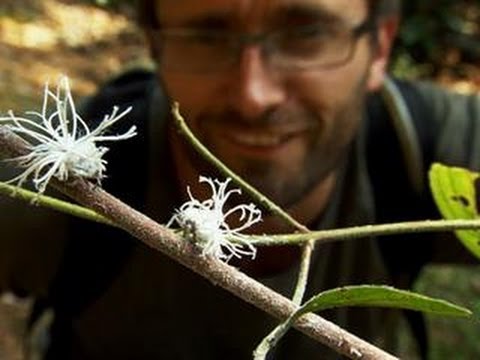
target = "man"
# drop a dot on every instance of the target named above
(278, 90)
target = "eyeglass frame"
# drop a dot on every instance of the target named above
(263, 40)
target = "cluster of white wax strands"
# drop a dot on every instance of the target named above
(205, 222)
(61, 143)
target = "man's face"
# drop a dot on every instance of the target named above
(282, 130)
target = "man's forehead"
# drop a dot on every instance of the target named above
(177, 11)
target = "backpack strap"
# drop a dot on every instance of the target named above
(397, 152)
(403, 123)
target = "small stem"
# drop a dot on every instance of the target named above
(271, 340)
(52, 203)
(350, 233)
(303, 272)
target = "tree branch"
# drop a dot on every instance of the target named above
(220, 274)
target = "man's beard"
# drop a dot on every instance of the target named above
(283, 191)
(288, 186)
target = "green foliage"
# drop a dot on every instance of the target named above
(437, 35)
(455, 194)
(380, 296)
(362, 295)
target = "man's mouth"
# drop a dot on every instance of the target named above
(258, 140)
(263, 144)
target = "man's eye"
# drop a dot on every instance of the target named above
(311, 33)
(303, 42)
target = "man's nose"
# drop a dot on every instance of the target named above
(256, 87)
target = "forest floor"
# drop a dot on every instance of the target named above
(42, 39)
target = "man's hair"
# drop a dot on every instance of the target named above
(147, 18)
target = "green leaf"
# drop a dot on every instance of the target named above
(454, 192)
(380, 296)
(361, 295)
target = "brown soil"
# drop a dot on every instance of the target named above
(39, 43)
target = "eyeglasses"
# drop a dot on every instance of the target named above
(314, 46)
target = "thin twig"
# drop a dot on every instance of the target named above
(319, 236)
(163, 239)
(52, 203)
(271, 340)
(303, 272)
(356, 232)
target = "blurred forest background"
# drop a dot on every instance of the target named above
(91, 40)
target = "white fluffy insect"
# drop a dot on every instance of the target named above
(205, 223)
(61, 144)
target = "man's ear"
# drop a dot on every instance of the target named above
(385, 36)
